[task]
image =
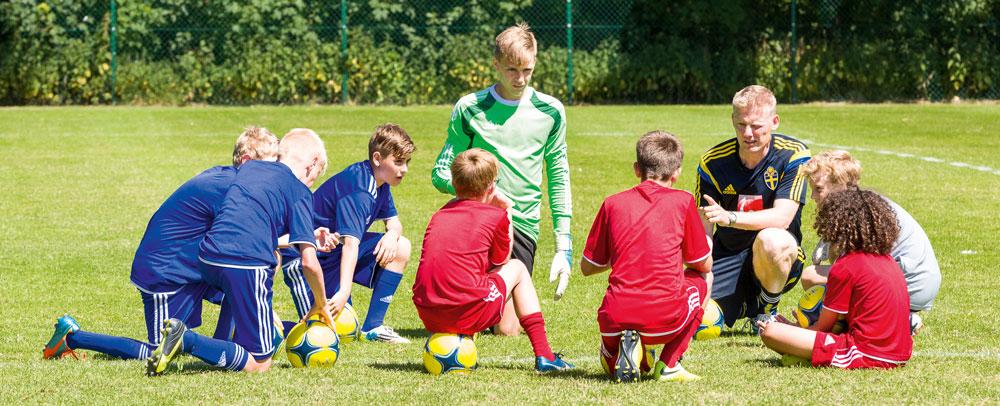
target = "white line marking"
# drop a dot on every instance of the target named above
(980, 168)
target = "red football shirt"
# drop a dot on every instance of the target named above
(646, 234)
(871, 290)
(464, 239)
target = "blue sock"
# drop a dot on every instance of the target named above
(286, 327)
(223, 354)
(385, 287)
(121, 347)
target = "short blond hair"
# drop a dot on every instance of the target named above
(755, 97)
(302, 145)
(658, 154)
(472, 173)
(391, 140)
(516, 45)
(837, 167)
(257, 143)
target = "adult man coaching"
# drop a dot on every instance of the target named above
(525, 129)
(751, 195)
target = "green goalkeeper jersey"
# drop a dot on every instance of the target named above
(524, 135)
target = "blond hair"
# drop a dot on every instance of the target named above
(255, 143)
(659, 155)
(472, 173)
(755, 97)
(516, 44)
(391, 140)
(301, 146)
(837, 167)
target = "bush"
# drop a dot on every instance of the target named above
(288, 51)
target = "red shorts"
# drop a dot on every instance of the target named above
(470, 318)
(839, 350)
(657, 319)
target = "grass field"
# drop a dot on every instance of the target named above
(79, 184)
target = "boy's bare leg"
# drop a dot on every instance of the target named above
(257, 366)
(814, 275)
(787, 339)
(520, 289)
(513, 273)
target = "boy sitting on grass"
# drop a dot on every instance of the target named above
(465, 276)
(864, 286)
(647, 236)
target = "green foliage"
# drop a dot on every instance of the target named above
(430, 51)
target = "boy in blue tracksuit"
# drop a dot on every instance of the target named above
(348, 204)
(265, 201)
(165, 268)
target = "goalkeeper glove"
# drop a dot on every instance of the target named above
(562, 263)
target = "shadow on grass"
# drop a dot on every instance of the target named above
(769, 362)
(414, 334)
(413, 367)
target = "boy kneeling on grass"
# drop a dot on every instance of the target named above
(864, 286)
(466, 277)
(648, 235)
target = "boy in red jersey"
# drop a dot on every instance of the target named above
(466, 276)
(647, 235)
(864, 286)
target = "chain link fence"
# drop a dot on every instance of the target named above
(434, 51)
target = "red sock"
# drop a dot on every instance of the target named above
(534, 327)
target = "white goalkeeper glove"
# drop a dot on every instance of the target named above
(562, 263)
(821, 253)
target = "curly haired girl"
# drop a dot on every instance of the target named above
(865, 287)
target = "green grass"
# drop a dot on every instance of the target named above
(79, 184)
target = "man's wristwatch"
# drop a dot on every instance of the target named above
(732, 218)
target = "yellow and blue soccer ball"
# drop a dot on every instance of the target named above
(346, 324)
(312, 344)
(450, 354)
(711, 322)
(810, 305)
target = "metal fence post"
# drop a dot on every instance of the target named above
(113, 28)
(569, 51)
(794, 56)
(343, 51)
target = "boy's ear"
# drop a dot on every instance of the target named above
(635, 167)
(676, 175)
(376, 158)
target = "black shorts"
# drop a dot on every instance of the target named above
(524, 250)
(736, 288)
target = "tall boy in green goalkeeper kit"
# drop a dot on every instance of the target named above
(526, 131)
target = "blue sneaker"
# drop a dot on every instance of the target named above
(384, 334)
(170, 347)
(543, 365)
(57, 347)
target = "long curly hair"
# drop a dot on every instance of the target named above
(855, 220)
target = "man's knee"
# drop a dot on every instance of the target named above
(776, 245)
(774, 252)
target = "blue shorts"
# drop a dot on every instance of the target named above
(248, 301)
(735, 287)
(183, 304)
(365, 272)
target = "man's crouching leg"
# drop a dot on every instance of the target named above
(774, 253)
